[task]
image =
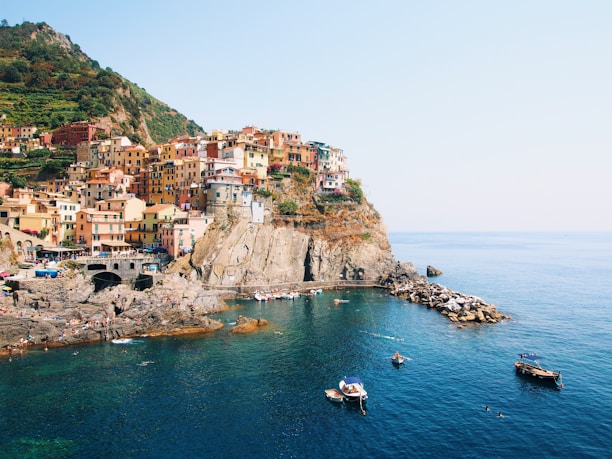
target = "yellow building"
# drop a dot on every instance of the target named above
(155, 183)
(39, 224)
(133, 158)
(168, 152)
(153, 219)
(168, 183)
(130, 210)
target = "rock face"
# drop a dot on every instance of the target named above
(68, 311)
(243, 253)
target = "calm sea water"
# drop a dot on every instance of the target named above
(262, 395)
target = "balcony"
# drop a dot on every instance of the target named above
(118, 221)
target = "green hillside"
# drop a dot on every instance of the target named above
(46, 80)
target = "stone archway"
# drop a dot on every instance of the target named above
(105, 279)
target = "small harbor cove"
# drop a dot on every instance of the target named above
(262, 394)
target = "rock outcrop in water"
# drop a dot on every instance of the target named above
(458, 307)
(248, 324)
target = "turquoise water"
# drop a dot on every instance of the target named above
(262, 395)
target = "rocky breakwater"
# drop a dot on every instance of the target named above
(61, 311)
(457, 307)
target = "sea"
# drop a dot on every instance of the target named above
(262, 395)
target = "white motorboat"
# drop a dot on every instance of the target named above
(352, 388)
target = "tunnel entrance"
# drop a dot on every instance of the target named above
(143, 281)
(105, 279)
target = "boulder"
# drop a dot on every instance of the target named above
(248, 325)
(432, 272)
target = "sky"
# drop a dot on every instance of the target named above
(472, 115)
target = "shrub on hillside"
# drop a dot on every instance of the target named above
(288, 208)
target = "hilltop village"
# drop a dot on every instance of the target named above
(118, 197)
(225, 190)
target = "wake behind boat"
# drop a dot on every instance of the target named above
(529, 366)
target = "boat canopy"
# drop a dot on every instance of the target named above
(353, 380)
(531, 356)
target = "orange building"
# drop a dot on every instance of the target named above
(96, 227)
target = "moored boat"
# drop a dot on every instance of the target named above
(398, 359)
(353, 389)
(290, 295)
(529, 366)
(334, 395)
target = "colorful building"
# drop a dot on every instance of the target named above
(96, 227)
(80, 131)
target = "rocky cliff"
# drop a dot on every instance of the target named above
(344, 242)
(324, 240)
(68, 310)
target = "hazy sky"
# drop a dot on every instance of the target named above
(455, 115)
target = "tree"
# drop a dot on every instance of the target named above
(52, 169)
(12, 75)
(37, 79)
(354, 190)
(16, 181)
(38, 153)
(288, 208)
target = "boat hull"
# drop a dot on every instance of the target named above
(334, 395)
(537, 374)
(353, 392)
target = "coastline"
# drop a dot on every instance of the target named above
(68, 310)
(40, 317)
